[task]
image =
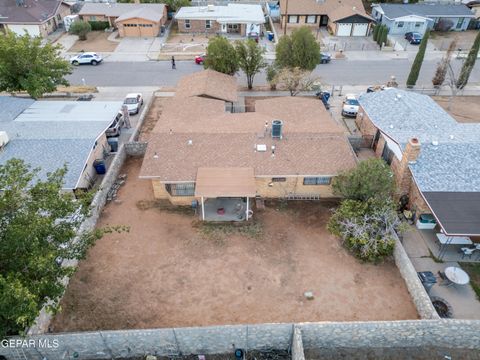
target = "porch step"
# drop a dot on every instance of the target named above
(303, 197)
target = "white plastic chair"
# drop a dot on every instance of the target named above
(467, 252)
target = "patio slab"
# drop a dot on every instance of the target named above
(449, 252)
(462, 298)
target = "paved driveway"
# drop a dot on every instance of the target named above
(136, 49)
(345, 43)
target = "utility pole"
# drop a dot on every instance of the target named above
(286, 18)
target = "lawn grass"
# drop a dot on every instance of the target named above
(219, 231)
(473, 270)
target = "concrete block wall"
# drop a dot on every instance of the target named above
(297, 344)
(136, 148)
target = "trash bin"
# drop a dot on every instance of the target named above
(113, 142)
(270, 36)
(100, 166)
(428, 279)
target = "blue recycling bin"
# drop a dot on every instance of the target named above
(100, 166)
(270, 36)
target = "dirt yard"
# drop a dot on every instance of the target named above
(170, 270)
(96, 41)
(465, 109)
(442, 40)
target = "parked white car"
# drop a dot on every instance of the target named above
(86, 58)
(350, 105)
(134, 102)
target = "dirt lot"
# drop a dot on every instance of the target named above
(442, 40)
(465, 109)
(169, 270)
(96, 41)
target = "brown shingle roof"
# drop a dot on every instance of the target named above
(118, 9)
(208, 83)
(177, 159)
(343, 12)
(33, 11)
(314, 7)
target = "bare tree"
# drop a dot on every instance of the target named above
(452, 84)
(442, 67)
(296, 80)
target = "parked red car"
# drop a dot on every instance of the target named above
(200, 59)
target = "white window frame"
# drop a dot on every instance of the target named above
(187, 24)
(291, 17)
(208, 24)
(400, 24)
(311, 17)
(317, 180)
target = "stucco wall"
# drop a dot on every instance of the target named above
(89, 174)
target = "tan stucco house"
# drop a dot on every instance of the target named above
(201, 152)
(36, 17)
(131, 20)
(341, 17)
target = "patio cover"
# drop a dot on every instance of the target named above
(457, 212)
(225, 182)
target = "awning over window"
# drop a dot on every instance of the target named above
(457, 212)
(225, 182)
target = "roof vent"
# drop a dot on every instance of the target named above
(3, 139)
(277, 126)
(261, 147)
(435, 142)
(190, 142)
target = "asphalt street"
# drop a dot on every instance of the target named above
(338, 72)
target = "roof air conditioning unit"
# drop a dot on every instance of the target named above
(277, 129)
(3, 139)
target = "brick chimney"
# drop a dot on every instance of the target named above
(402, 172)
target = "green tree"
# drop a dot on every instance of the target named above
(300, 49)
(174, 5)
(250, 59)
(375, 32)
(27, 65)
(417, 63)
(371, 178)
(367, 228)
(469, 63)
(384, 37)
(37, 229)
(221, 56)
(80, 28)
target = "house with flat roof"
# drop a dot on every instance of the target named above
(242, 19)
(341, 17)
(435, 159)
(201, 152)
(36, 17)
(51, 134)
(403, 18)
(131, 20)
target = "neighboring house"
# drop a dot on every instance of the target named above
(403, 18)
(239, 19)
(435, 159)
(341, 17)
(132, 20)
(51, 134)
(198, 151)
(36, 17)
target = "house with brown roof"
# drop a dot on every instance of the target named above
(341, 17)
(201, 153)
(131, 20)
(36, 17)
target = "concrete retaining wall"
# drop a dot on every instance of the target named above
(297, 344)
(136, 148)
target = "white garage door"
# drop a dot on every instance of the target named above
(344, 29)
(360, 30)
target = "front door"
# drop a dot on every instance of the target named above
(323, 20)
(224, 28)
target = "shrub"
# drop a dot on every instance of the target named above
(99, 25)
(444, 25)
(300, 49)
(417, 63)
(367, 228)
(81, 29)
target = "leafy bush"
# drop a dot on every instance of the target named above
(221, 56)
(80, 28)
(300, 49)
(444, 25)
(99, 25)
(371, 178)
(367, 228)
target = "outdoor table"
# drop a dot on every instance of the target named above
(457, 275)
(445, 240)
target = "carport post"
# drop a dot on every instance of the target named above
(246, 211)
(203, 210)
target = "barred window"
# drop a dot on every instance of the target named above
(279, 179)
(185, 189)
(187, 24)
(322, 180)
